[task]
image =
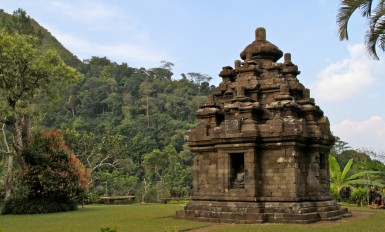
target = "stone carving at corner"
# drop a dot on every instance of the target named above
(261, 146)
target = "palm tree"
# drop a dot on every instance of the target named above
(375, 35)
(339, 180)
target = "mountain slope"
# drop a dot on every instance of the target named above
(48, 41)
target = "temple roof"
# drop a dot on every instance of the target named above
(261, 48)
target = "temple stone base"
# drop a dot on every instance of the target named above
(262, 212)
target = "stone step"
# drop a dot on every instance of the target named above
(304, 221)
(335, 218)
(232, 209)
(227, 216)
(307, 216)
(331, 214)
(246, 218)
(329, 208)
(248, 212)
(318, 209)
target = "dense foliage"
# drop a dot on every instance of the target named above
(21, 23)
(115, 117)
(52, 180)
(28, 78)
(340, 179)
(118, 117)
(354, 172)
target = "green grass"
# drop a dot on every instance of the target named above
(364, 219)
(158, 217)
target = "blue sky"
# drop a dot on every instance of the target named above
(203, 36)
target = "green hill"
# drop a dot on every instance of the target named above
(127, 124)
(20, 21)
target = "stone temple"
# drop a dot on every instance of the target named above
(261, 146)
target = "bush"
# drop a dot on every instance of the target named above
(108, 229)
(35, 206)
(336, 195)
(359, 196)
(54, 177)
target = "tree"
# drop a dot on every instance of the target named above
(339, 146)
(198, 79)
(375, 35)
(341, 180)
(53, 178)
(7, 164)
(108, 154)
(20, 22)
(27, 77)
(165, 171)
(117, 184)
(178, 181)
(163, 72)
(358, 157)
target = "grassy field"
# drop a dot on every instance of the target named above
(158, 217)
(92, 218)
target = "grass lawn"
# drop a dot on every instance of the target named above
(158, 217)
(155, 217)
(364, 219)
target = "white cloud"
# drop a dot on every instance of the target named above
(86, 10)
(132, 52)
(347, 78)
(369, 133)
(117, 52)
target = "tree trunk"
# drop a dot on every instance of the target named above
(9, 171)
(18, 142)
(25, 124)
(9, 178)
(148, 113)
(144, 191)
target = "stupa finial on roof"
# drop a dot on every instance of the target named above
(261, 49)
(260, 34)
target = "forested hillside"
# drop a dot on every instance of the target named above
(128, 124)
(125, 124)
(20, 22)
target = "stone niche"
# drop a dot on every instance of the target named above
(261, 146)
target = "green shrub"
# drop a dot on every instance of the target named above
(359, 196)
(36, 206)
(336, 194)
(52, 180)
(86, 198)
(108, 229)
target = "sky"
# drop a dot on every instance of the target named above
(204, 36)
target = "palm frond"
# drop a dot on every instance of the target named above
(364, 182)
(362, 173)
(335, 170)
(376, 31)
(366, 8)
(346, 169)
(338, 187)
(347, 8)
(382, 42)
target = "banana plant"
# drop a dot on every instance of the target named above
(340, 179)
